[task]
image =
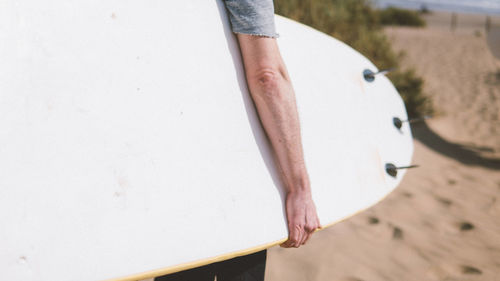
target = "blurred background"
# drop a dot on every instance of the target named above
(443, 221)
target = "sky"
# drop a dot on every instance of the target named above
(471, 6)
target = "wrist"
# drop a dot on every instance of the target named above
(299, 186)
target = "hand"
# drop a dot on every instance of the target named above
(302, 218)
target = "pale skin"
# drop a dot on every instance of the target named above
(274, 97)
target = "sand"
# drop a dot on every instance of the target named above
(443, 221)
(467, 23)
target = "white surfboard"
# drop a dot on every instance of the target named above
(130, 147)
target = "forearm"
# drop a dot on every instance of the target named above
(278, 113)
(273, 94)
(274, 98)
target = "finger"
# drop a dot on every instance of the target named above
(310, 228)
(308, 235)
(316, 226)
(290, 241)
(302, 237)
(285, 244)
(318, 223)
(305, 235)
(298, 237)
(295, 236)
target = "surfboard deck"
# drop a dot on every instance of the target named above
(130, 147)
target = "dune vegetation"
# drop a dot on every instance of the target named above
(397, 16)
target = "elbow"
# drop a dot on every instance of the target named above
(266, 84)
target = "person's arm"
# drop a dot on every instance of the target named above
(272, 92)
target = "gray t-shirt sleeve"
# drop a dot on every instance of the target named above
(254, 17)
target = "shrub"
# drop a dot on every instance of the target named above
(396, 16)
(409, 85)
(424, 10)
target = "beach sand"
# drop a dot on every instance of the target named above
(443, 221)
(470, 23)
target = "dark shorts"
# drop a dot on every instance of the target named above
(246, 268)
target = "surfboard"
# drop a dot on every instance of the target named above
(130, 147)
